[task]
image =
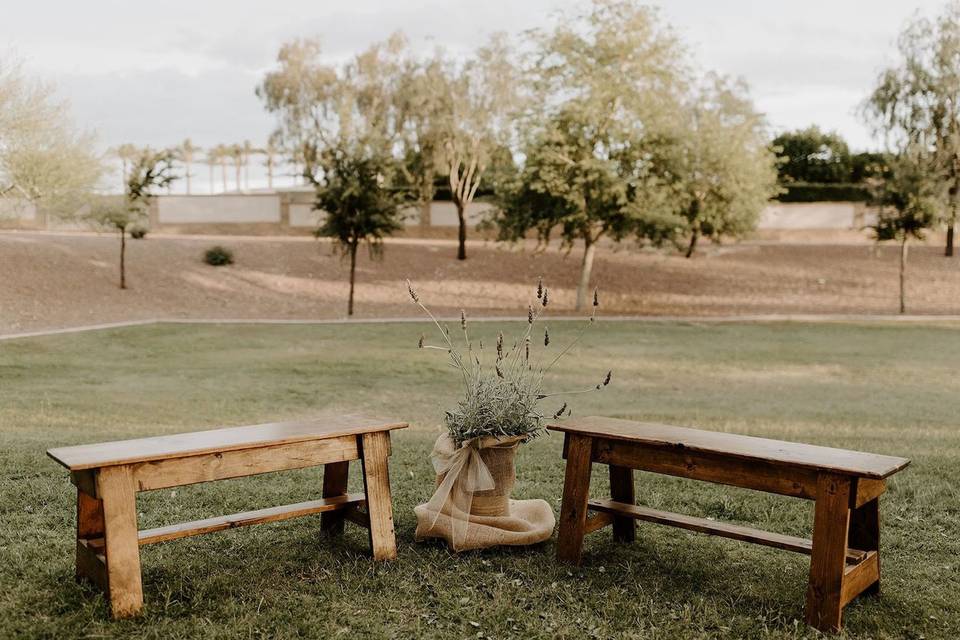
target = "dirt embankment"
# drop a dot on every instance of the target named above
(60, 280)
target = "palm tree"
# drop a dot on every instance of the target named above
(270, 151)
(212, 158)
(248, 150)
(185, 153)
(235, 152)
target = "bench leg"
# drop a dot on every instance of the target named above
(865, 535)
(121, 544)
(576, 492)
(376, 483)
(335, 475)
(621, 490)
(828, 559)
(90, 567)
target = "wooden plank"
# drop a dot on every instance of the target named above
(597, 521)
(85, 481)
(865, 534)
(245, 519)
(174, 472)
(122, 551)
(708, 467)
(824, 610)
(860, 578)
(866, 489)
(217, 440)
(376, 482)
(90, 524)
(576, 492)
(712, 527)
(739, 446)
(92, 566)
(622, 490)
(335, 477)
(361, 518)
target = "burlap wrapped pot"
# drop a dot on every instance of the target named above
(471, 507)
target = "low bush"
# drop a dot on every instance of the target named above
(138, 233)
(218, 256)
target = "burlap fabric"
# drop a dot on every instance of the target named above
(471, 507)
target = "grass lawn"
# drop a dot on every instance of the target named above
(884, 388)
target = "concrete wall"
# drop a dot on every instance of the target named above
(218, 209)
(291, 212)
(814, 215)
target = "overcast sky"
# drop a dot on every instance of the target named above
(156, 73)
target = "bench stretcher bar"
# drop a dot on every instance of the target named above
(349, 502)
(712, 527)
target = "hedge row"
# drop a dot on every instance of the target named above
(823, 192)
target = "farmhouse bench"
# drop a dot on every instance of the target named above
(846, 486)
(109, 475)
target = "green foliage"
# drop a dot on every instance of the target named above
(218, 256)
(916, 103)
(909, 201)
(138, 232)
(811, 155)
(358, 195)
(43, 158)
(724, 170)
(503, 386)
(835, 192)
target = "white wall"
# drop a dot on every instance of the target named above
(444, 214)
(304, 215)
(218, 209)
(811, 215)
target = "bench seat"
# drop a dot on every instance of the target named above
(845, 485)
(109, 475)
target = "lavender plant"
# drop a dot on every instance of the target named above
(502, 398)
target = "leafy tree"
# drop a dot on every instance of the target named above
(908, 201)
(151, 170)
(812, 155)
(917, 102)
(42, 158)
(358, 193)
(608, 85)
(726, 172)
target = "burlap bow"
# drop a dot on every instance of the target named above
(463, 473)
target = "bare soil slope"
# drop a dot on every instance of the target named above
(63, 280)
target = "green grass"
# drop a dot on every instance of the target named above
(883, 388)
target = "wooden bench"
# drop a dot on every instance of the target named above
(109, 475)
(846, 486)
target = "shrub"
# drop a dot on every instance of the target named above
(824, 192)
(138, 233)
(218, 256)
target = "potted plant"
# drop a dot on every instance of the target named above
(501, 408)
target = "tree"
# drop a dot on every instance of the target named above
(726, 172)
(362, 204)
(484, 100)
(609, 85)
(917, 102)
(43, 159)
(185, 154)
(151, 170)
(913, 200)
(812, 155)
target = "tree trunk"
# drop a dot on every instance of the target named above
(123, 258)
(462, 235)
(212, 181)
(223, 174)
(693, 242)
(952, 220)
(586, 268)
(353, 271)
(903, 274)
(187, 176)
(948, 252)
(270, 171)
